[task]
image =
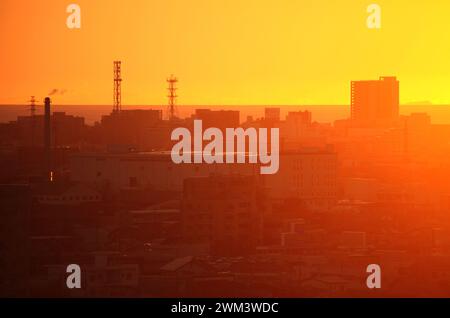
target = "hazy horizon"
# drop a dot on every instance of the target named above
(439, 113)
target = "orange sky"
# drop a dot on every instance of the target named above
(223, 51)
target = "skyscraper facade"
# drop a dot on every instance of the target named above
(375, 103)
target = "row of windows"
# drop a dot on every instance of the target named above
(211, 206)
(319, 194)
(69, 198)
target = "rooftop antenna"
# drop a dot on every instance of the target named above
(32, 106)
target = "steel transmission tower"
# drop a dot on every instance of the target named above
(117, 106)
(172, 81)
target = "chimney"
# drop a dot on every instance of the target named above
(47, 141)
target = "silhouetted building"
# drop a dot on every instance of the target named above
(129, 126)
(66, 130)
(65, 194)
(375, 103)
(272, 114)
(297, 131)
(224, 212)
(145, 170)
(15, 217)
(299, 119)
(221, 119)
(307, 174)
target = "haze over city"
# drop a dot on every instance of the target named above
(198, 149)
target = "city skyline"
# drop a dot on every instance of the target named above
(440, 114)
(278, 60)
(225, 148)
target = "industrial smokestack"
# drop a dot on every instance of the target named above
(47, 140)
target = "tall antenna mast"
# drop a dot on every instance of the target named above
(117, 87)
(32, 108)
(172, 81)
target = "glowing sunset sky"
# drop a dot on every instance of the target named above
(223, 51)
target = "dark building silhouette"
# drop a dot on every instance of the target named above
(223, 212)
(221, 119)
(15, 201)
(375, 102)
(272, 114)
(128, 127)
(66, 130)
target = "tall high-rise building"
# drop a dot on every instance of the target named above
(224, 212)
(375, 103)
(272, 114)
(308, 174)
